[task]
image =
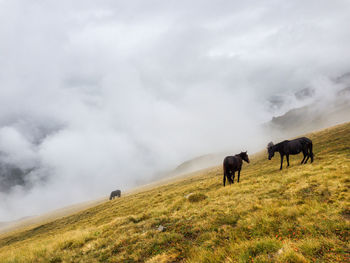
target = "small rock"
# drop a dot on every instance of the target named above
(187, 196)
(161, 228)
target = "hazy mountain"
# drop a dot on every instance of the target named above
(17, 163)
(10, 176)
(317, 115)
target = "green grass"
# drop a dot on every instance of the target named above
(299, 214)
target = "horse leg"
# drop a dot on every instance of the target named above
(239, 175)
(308, 156)
(311, 153)
(233, 177)
(287, 156)
(226, 176)
(281, 161)
(304, 153)
(230, 176)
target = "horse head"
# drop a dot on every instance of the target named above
(244, 156)
(270, 150)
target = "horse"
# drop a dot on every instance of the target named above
(232, 164)
(292, 147)
(114, 194)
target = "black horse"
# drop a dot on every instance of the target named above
(233, 164)
(296, 146)
(114, 194)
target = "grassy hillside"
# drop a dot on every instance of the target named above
(25, 222)
(299, 214)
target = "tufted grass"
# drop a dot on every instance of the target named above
(299, 214)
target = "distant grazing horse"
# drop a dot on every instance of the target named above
(233, 164)
(296, 146)
(114, 194)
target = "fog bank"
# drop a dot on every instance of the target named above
(99, 96)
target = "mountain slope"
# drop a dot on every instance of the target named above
(322, 113)
(299, 214)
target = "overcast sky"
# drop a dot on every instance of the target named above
(98, 94)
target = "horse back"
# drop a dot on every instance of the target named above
(305, 140)
(232, 163)
(298, 145)
(116, 193)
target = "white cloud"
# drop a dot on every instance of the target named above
(102, 94)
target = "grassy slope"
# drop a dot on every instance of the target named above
(300, 214)
(47, 217)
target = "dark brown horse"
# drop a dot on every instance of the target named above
(292, 147)
(233, 164)
(114, 194)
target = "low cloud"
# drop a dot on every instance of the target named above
(95, 97)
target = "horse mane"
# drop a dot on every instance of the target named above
(241, 154)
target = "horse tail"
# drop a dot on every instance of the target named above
(311, 153)
(224, 179)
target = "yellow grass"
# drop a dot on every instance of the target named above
(299, 214)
